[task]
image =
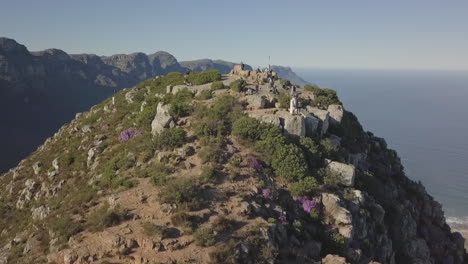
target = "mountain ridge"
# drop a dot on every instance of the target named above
(212, 173)
(45, 89)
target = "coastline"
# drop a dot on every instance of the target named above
(459, 224)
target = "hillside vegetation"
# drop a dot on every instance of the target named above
(169, 173)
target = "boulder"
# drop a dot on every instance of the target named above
(37, 167)
(40, 212)
(130, 95)
(345, 173)
(295, 125)
(334, 259)
(55, 164)
(337, 215)
(324, 117)
(256, 101)
(236, 70)
(266, 118)
(162, 119)
(336, 113)
(312, 124)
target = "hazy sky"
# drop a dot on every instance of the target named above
(303, 33)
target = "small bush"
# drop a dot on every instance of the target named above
(104, 217)
(185, 221)
(225, 254)
(204, 237)
(222, 224)
(199, 78)
(204, 95)
(182, 192)
(170, 138)
(159, 178)
(151, 229)
(235, 86)
(311, 150)
(217, 85)
(323, 97)
(208, 174)
(284, 100)
(303, 187)
(64, 227)
(247, 129)
(180, 109)
(146, 117)
(212, 153)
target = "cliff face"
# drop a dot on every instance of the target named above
(206, 174)
(45, 89)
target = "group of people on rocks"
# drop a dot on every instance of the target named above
(293, 103)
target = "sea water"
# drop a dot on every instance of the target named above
(423, 115)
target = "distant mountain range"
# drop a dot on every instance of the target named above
(40, 91)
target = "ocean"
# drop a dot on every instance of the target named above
(422, 115)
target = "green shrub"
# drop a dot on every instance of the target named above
(187, 222)
(146, 117)
(208, 173)
(199, 78)
(235, 86)
(204, 95)
(159, 178)
(204, 237)
(284, 100)
(303, 187)
(222, 224)
(64, 227)
(180, 109)
(151, 229)
(170, 138)
(212, 153)
(104, 217)
(311, 151)
(110, 178)
(289, 162)
(217, 85)
(323, 97)
(247, 129)
(226, 253)
(182, 192)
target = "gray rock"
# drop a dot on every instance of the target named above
(27, 193)
(336, 114)
(334, 259)
(55, 164)
(40, 212)
(267, 118)
(336, 214)
(312, 124)
(37, 167)
(130, 95)
(345, 173)
(256, 101)
(295, 125)
(323, 115)
(161, 120)
(335, 141)
(86, 129)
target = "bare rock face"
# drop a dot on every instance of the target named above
(336, 113)
(345, 173)
(337, 215)
(27, 193)
(162, 119)
(312, 125)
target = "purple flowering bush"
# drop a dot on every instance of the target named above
(254, 164)
(307, 204)
(128, 134)
(267, 193)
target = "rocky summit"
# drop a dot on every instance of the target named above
(209, 168)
